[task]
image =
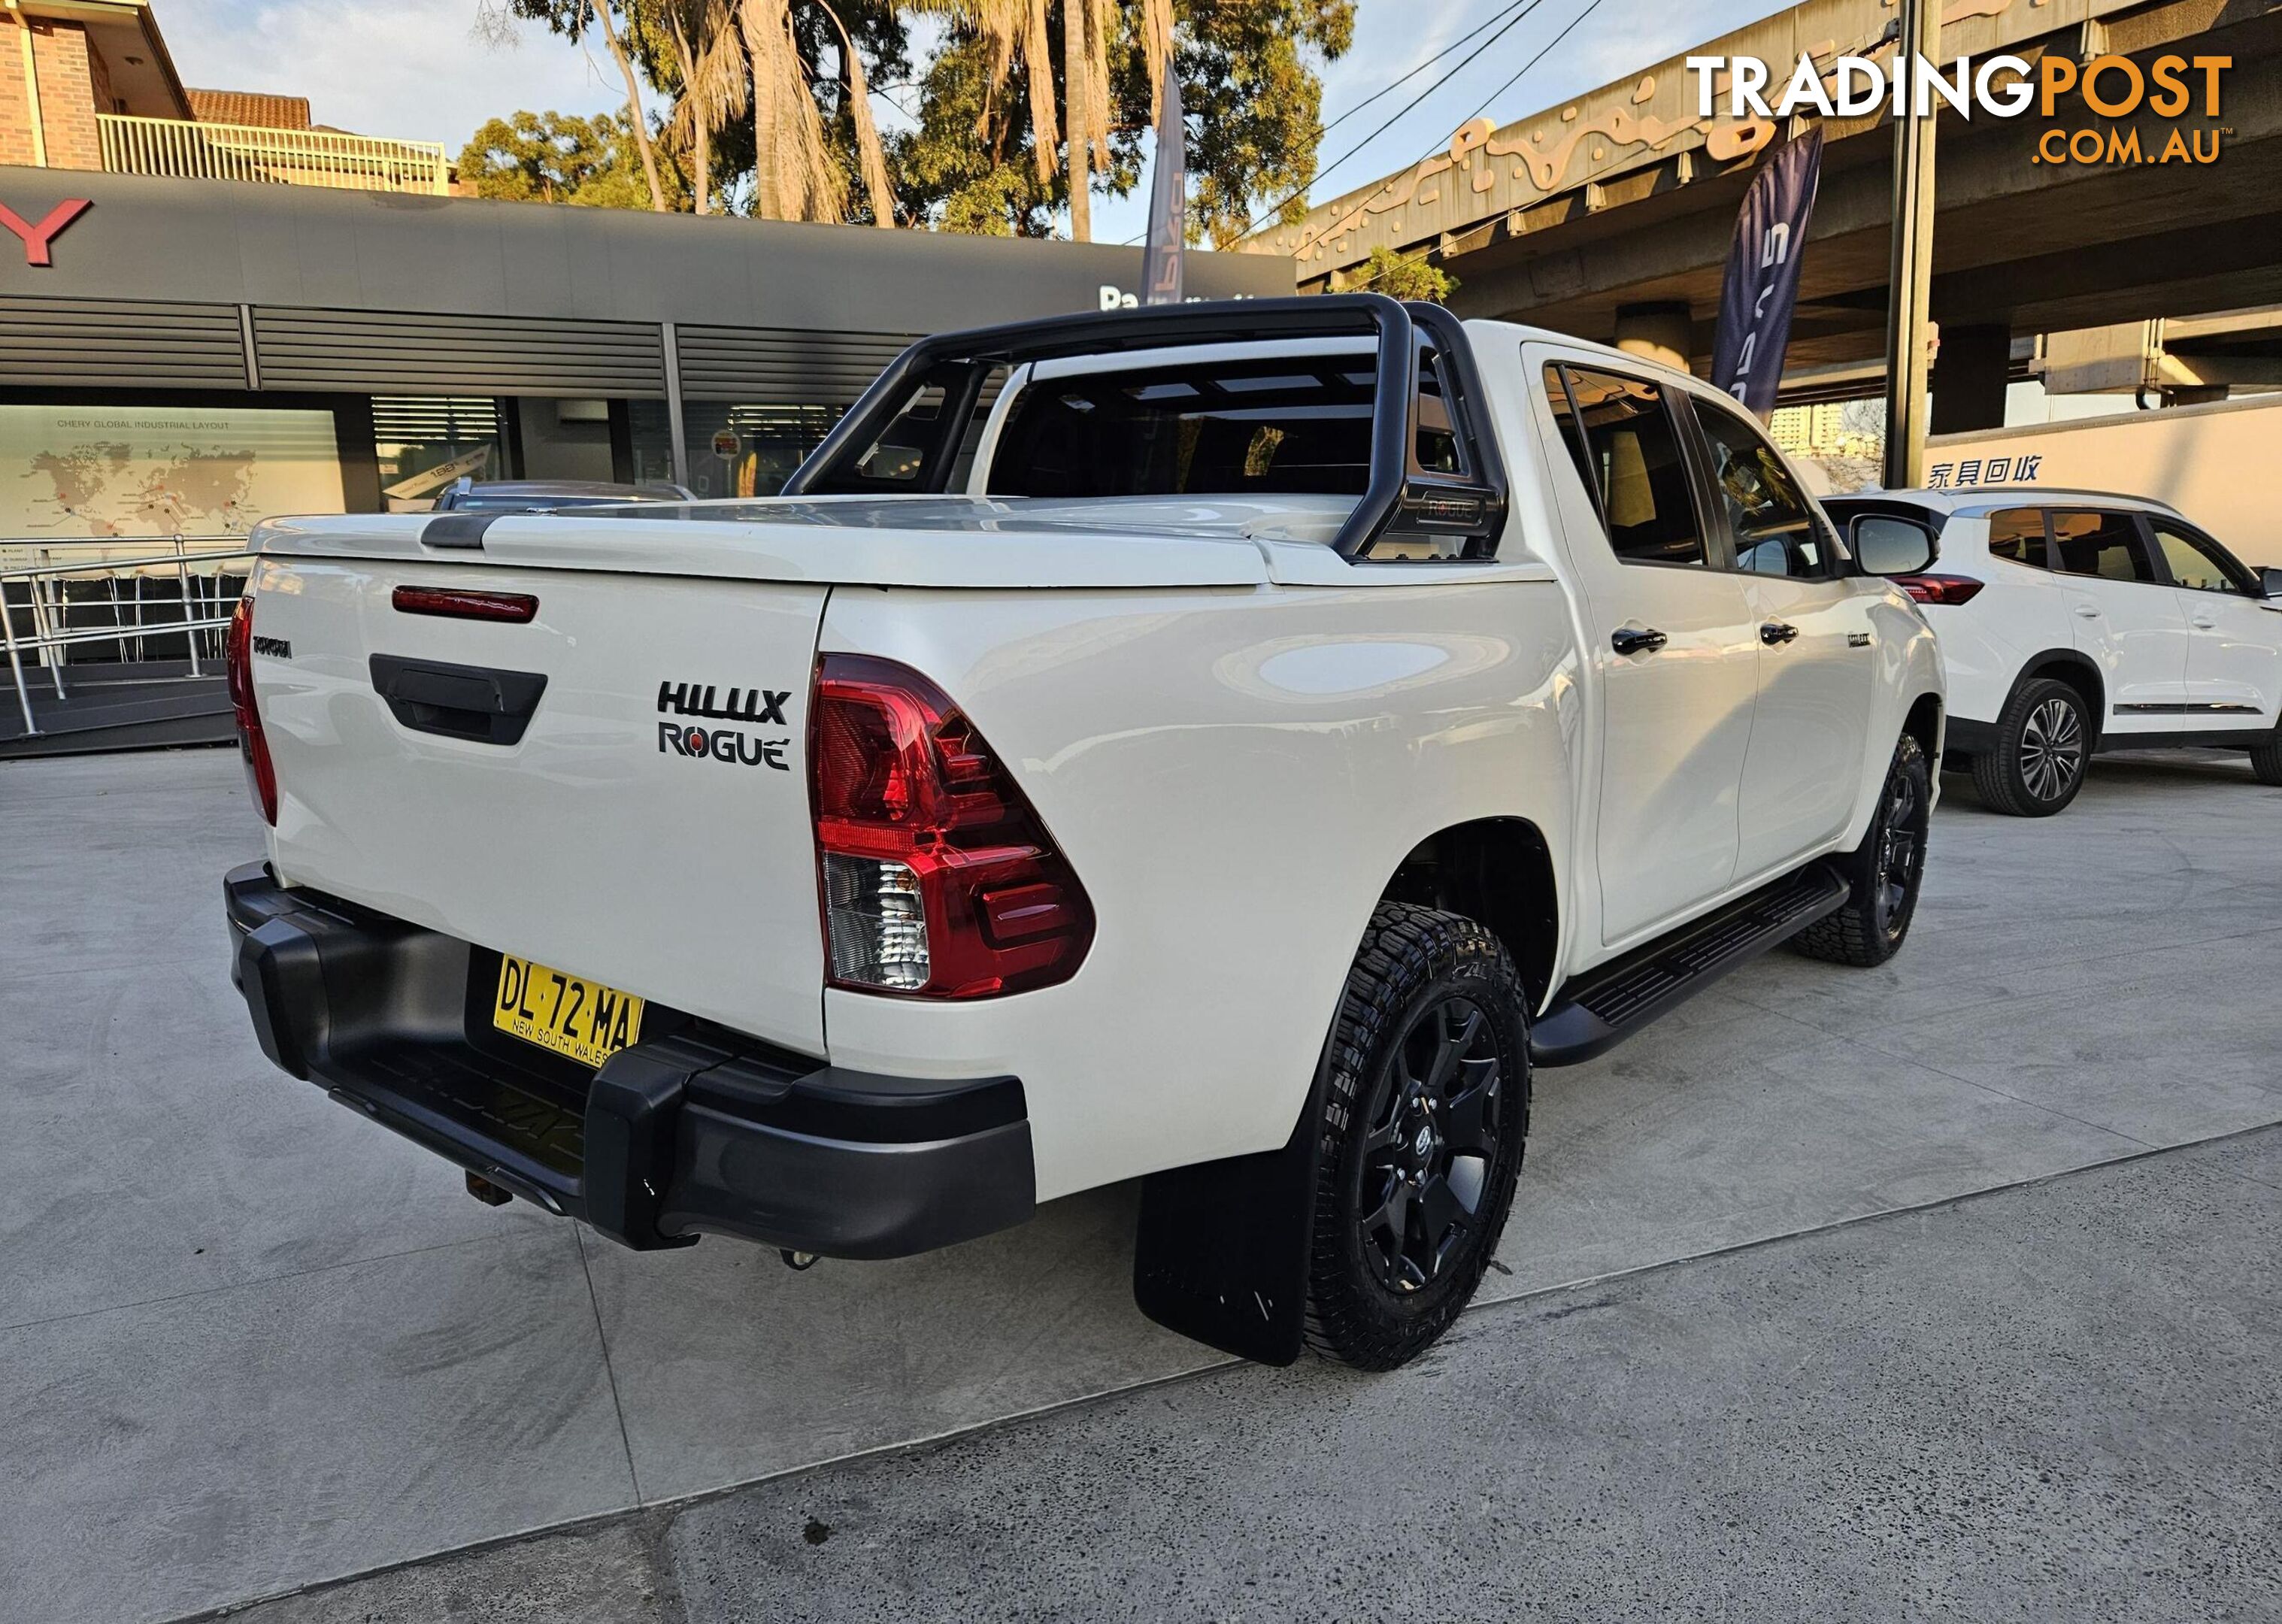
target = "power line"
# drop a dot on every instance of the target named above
(1489, 100)
(1389, 86)
(1277, 207)
(1518, 9)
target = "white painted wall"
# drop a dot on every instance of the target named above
(2220, 465)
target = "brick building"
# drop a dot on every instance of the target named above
(65, 63)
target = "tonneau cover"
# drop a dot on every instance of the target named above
(970, 541)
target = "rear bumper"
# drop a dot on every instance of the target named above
(693, 1130)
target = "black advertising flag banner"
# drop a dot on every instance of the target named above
(1168, 191)
(1761, 289)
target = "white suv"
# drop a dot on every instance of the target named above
(2073, 622)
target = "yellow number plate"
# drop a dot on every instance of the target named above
(583, 1018)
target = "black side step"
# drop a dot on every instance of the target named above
(1592, 1012)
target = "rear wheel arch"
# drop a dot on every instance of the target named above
(1923, 724)
(2076, 669)
(1499, 873)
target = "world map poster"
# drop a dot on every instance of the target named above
(129, 471)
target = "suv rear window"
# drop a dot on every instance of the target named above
(2107, 545)
(2018, 533)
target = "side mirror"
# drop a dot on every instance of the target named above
(1884, 544)
(2269, 581)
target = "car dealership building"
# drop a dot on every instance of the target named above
(385, 342)
(215, 310)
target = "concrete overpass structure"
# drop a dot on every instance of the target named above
(1610, 216)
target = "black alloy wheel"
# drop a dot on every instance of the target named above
(1425, 1112)
(1903, 825)
(1432, 1146)
(1884, 873)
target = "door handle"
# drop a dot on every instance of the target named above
(1632, 639)
(481, 702)
(2087, 611)
(1774, 632)
(2203, 624)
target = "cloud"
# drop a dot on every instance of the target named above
(410, 69)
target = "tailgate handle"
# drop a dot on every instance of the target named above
(460, 702)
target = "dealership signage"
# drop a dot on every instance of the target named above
(36, 238)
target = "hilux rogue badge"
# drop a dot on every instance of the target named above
(764, 706)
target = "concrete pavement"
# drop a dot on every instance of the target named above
(254, 1343)
(2059, 1401)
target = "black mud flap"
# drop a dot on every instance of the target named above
(1222, 1256)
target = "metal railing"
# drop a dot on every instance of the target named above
(201, 152)
(204, 606)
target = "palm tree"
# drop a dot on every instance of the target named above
(713, 88)
(1018, 32)
(871, 157)
(796, 175)
(1013, 33)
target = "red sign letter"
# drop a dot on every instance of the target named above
(36, 237)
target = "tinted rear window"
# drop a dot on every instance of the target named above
(2018, 534)
(2107, 545)
(1275, 425)
(1627, 452)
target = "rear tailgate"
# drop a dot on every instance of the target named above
(625, 836)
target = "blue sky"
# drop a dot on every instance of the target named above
(415, 69)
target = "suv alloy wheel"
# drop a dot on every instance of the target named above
(2044, 743)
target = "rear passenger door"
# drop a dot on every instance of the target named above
(1803, 771)
(2128, 620)
(2234, 641)
(1673, 643)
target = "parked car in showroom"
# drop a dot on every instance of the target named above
(2077, 622)
(1227, 746)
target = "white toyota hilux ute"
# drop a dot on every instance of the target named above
(1226, 746)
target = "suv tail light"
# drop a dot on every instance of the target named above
(237, 656)
(938, 879)
(1938, 588)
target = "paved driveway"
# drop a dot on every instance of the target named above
(253, 1342)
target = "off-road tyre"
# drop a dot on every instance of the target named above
(2266, 759)
(1884, 873)
(1423, 980)
(2037, 764)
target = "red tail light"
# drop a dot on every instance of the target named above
(237, 654)
(1938, 588)
(938, 879)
